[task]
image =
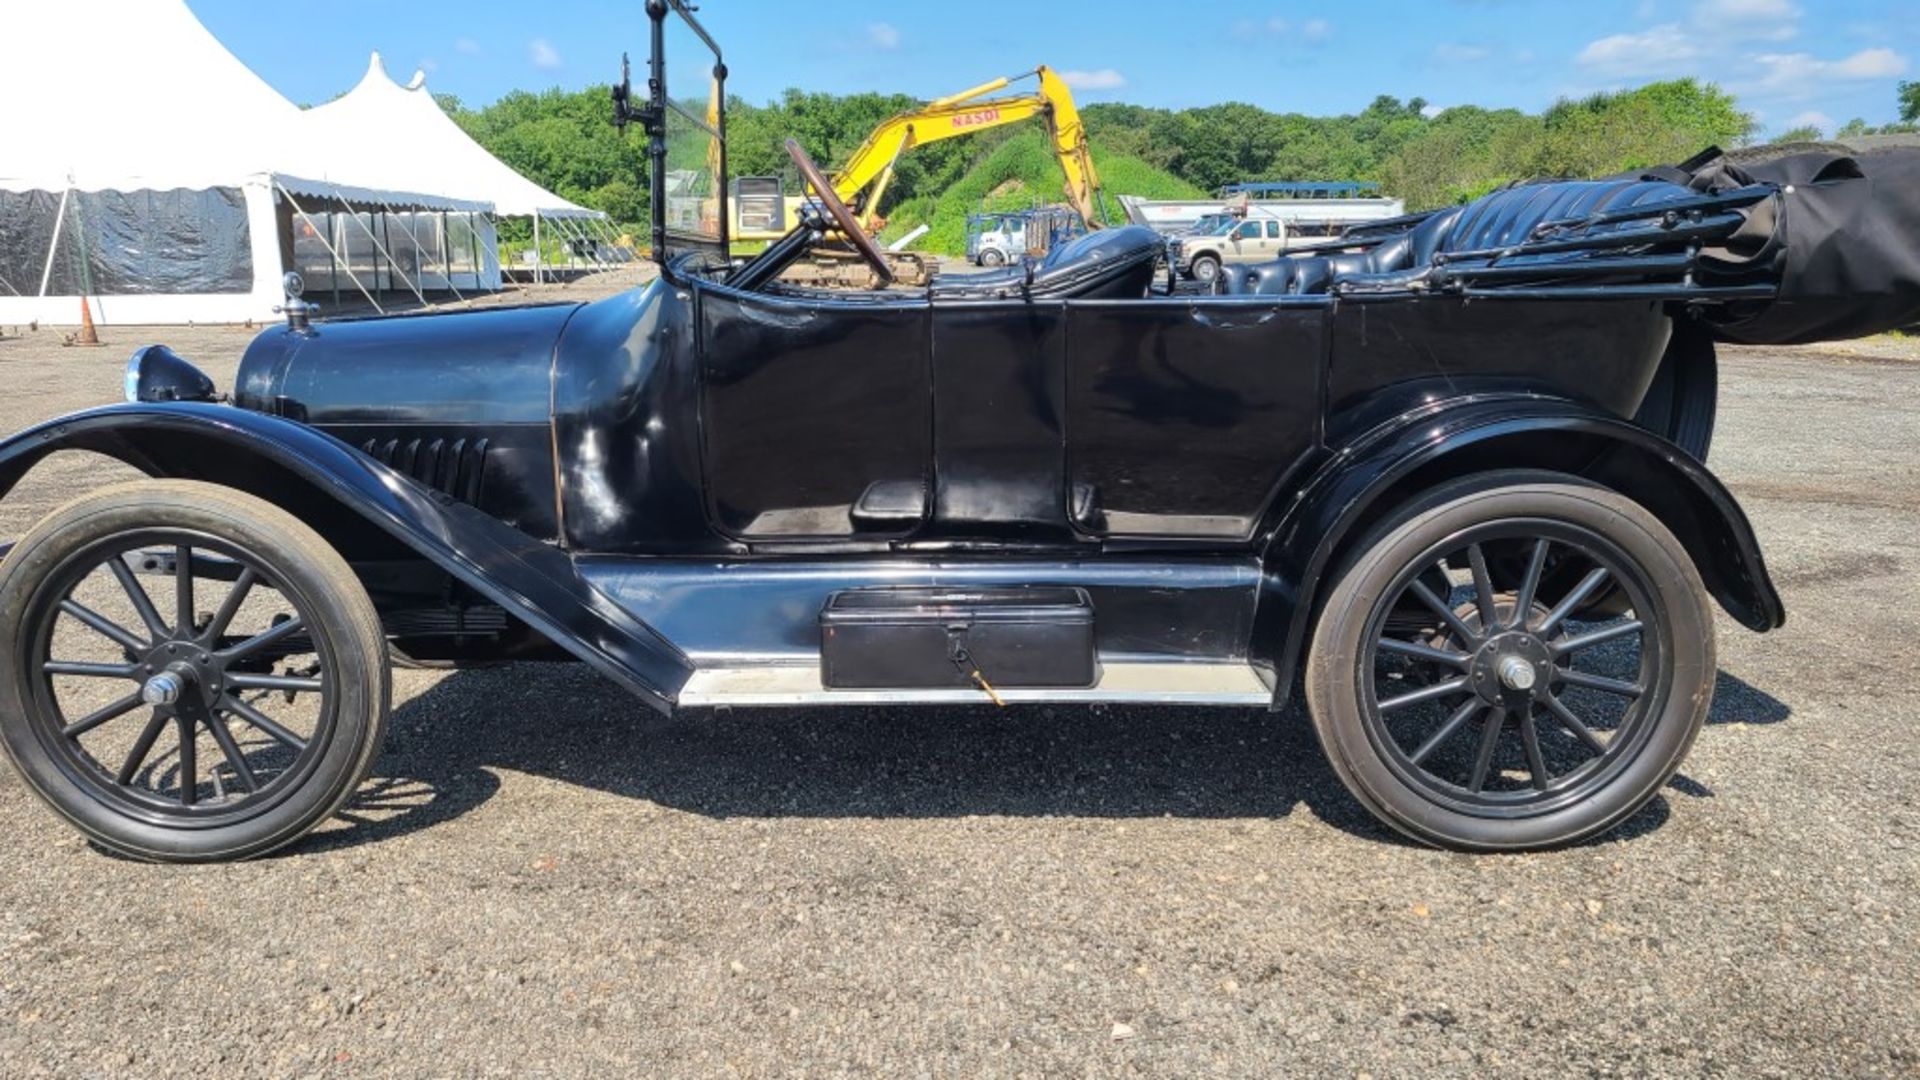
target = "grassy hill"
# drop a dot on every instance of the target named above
(1019, 173)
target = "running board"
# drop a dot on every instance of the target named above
(1138, 683)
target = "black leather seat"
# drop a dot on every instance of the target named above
(1108, 264)
(1496, 220)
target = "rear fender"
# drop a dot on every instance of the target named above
(1382, 469)
(343, 493)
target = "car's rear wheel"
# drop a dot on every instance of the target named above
(1474, 711)
(188, 673)
(1204, 269)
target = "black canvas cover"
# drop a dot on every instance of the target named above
(125, 243)
(1842, 239)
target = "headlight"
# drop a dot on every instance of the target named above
(157, 373)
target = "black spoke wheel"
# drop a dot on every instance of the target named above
(1471, 691)
(189, 673)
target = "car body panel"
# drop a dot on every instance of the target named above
(273, 458)
(1377, 470)
(1181, 457)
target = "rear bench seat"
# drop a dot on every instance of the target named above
(1497, 220)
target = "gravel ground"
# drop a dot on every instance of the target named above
(547, 879)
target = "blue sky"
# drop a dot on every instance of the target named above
(1789, 61)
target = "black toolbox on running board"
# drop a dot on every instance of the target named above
(900, 637)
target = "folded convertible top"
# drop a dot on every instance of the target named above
(1842, 241)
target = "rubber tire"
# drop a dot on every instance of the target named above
(1682, 401)
(993, 257)
(1333, 678)
(334, 598)
(1209, 275)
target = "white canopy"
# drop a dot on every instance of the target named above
(400, 133)
(135, 103)
(129, 95)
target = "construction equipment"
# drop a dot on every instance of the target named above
(863, 181)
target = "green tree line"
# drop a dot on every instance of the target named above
(564, 141)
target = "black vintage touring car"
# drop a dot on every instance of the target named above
(1444, 472)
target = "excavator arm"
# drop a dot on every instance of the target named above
(864, 178)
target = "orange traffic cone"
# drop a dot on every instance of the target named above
(86, 335)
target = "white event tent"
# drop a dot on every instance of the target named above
(145, 167)
(405, 127)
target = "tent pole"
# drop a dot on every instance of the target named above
(560, 225)
(53, 246)
(593, 249)
(446, 269)
(333, 264)
(539, 253)
(351, 276)
(407, 227)
(391, 266)
(479, 263)
(386, 238)
(592, 257)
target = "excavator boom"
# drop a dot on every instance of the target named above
(863, 180)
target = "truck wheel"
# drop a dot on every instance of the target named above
(223, 708)
(1204, 269)
(993, 257)
(1483, 718)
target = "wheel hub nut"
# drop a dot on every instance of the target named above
(163, 689)
(1515, 673)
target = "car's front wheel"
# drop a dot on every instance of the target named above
(1204, 269)
(1512, 664)
(188, 673)
(993, 257)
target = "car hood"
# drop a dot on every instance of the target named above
(491, 365)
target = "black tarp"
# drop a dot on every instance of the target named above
(1842, 240)
(125, 243)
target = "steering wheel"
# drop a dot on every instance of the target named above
(842, 217)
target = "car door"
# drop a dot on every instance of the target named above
(816, 416)
(1183, 415)
(1244, 244)
(1273, 239)
(999, 385)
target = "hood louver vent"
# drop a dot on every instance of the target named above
(453, 466)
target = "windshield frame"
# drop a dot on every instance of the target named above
(669, 244)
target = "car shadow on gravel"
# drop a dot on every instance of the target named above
(563, 722)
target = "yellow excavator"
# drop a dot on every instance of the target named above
(863, 180)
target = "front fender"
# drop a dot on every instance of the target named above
(286, 463)
(1379, 470)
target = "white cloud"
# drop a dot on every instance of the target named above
(1799, 75)
(1656, 51)
(543, 54)
(1430, 111)
(1452, 52)
(883, 36)
(1812, 118)
(466, 46)
(1103, 79)
(1748, 20)
(1312, 32)
(429, 65)
(1879, 63)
